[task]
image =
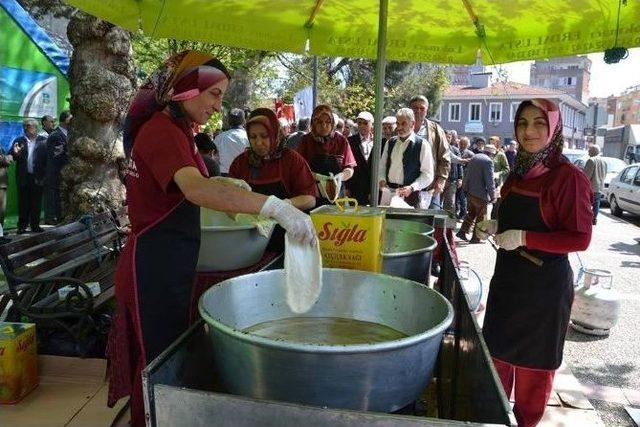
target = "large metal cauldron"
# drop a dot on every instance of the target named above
(378, 377)
(407, 255)
(408, 226)
(226, 244)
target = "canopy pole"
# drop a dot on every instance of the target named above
(379, 110)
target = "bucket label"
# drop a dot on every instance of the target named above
(350, 241)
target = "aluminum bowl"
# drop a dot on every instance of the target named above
(407, 255)
(408, 226)
(226, 244)
(380, 377)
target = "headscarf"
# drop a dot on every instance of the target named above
(551, 155)
(268, 119)
(183, 76)
(317, 112)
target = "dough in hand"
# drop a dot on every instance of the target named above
(303, 274)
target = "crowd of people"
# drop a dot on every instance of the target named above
(428, 167)
(39, 158)
(542, 206)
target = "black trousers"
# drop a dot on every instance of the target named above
(29, 204)
(52, 207)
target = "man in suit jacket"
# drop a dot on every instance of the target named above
(359, 186)
(56, 158)
(479, 186)
(29, 152)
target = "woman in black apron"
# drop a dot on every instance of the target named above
(166, 182)
(328, 154)
(545, 210)
(274, 170)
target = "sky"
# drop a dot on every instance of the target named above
(606, 79)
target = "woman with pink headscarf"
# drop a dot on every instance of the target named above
(545, 210)
(166, 183)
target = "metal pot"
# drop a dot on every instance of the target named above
(408, 226)
(226, 244)
(407, 255)
(378, 377)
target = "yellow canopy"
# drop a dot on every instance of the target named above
(443, 31)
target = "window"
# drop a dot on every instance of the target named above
(514, 108)
(627, 176)
(475, 112)
(495, 112)
(636, 181)
(454, 112)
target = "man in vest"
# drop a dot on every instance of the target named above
(406, 165)
(436, 138)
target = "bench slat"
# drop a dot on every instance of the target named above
(21, 260)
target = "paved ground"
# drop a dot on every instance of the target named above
(608, 368)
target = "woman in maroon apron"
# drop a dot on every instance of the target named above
(166, 182)
(545, 210)
(327, 152)
(272, 169)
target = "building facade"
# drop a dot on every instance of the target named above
(627, 107)
(487, 111)
(569, 74)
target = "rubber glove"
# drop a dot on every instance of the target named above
(486, 228)
(296, 223)
(337, 178)
(231, 181)
(511, 239)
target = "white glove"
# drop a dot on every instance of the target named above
(231, 181)
(511, 239)
(337, 178)
(486, 228)
(296, 223)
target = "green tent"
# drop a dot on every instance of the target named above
(33, 81)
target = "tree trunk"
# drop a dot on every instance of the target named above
(239, 93)
(102, 80)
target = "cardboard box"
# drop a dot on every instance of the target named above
(350, 237)
(18, 361)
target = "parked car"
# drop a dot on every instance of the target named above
(575, 155)
(624, 191)
(614, 167)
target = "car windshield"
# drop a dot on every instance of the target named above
(574, 156)
(614, 165)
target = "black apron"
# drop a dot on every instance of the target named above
(326, 164)
(275, 188)
(165, 261)
(528, 307)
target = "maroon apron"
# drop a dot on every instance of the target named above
(272, 187)
(154, 280)
(528, 306)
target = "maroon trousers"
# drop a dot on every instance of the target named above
(532, 390)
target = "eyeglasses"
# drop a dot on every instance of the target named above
(323, 122)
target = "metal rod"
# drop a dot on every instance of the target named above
(314, 13)
(379, 94)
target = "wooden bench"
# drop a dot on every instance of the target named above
(71, 255)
